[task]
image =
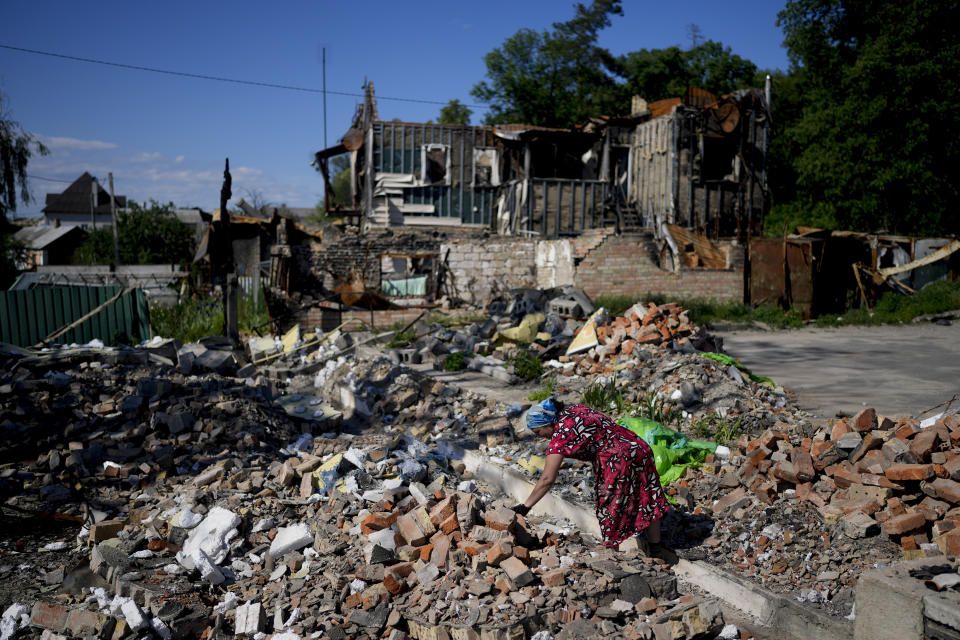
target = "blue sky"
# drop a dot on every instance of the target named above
(165, 137)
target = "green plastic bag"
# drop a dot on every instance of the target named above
(672, 451)
(723, 358)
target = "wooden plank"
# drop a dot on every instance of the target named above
(936, 256)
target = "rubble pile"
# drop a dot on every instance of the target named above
(208, 509)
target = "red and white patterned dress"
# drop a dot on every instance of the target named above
(627, 492)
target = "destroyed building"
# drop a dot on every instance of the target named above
(659, 201)
(697, 161)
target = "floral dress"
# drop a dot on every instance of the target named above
(628, 493)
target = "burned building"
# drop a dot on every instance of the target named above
(698, 161)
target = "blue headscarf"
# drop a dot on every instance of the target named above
(542, 415)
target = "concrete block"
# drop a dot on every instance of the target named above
(290, 539)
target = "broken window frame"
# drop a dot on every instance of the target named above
(425, 150)
(495, 177)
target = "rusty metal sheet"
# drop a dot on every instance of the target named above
(768, 282)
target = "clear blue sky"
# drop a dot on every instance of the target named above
(165, 137)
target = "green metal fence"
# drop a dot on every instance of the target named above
(28, 317)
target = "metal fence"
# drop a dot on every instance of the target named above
(29, 317)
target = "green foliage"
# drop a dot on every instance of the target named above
(199, 317)
(526, 365)
(340, 184)
(553, 78)
(654, 407)
(547, 388)
(16, 149)
(606, 397)
(147, 235)
(455, 113)
(867, 138)
(401, 339)
(892, 308)
(656, 74)
(456, 361)
(721, 429)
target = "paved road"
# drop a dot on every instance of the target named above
(898, 370)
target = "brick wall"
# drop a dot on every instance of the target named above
(625, 265)
(482, 267)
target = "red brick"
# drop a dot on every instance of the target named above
(839, 428)
(900, 472)
(924, 443)
(844, 476)
(499, 552)
(948, 490)
(949, 543)
(450, 525)
(518, 572)
(441, 548)
(377, 521)
(553, 578)
(803, 465)
(866, 420)
(49, 615)
(866, 445)
(903, 523)
(443, 510)
(394, 583)
(907, 430)
(765, 492)
(500, 519)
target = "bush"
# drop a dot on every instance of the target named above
(456, 361)
(199, 317)
(526, 365)
(401, 339)
(606, 397)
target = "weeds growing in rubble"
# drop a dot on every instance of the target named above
(547, 388)
(198, 317)
(456, 361)
(654, 407)
(718, 428)
(526, 365)
(892, 308)
(401, 339)
(606, 397)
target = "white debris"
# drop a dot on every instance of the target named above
(385, 538)
(133, 614)
(729, 632)
(542, 635)
(469, 486)
(161, 629)
(188, 519)
(208, 570)
(173, 569)
(15, 617)
(212, 535)
(142, 555)
(722, 453)
(264, 524)
(356, 457)
(290, 539)
(55, 546)
(357, 586)
(229, 603)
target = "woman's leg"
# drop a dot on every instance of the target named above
(653, 532)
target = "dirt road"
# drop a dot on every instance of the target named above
(898, 370)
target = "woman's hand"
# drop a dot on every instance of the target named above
(522, 509)
(547, 477)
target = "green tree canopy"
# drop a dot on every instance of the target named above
(148, 234)
(16, 149)
(553, 78)
(655, 74)
(455, 113)
(874, 145)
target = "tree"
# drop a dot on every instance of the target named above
(553, 78)
(655, 74)
(340, 185)
(148, 234)
(455, 113)
(16, 149)
(875, 146)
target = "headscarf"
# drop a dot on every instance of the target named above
(542, 414)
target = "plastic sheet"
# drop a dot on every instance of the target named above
(673, 452)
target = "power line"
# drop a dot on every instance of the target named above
(201, 76)
(49, 179)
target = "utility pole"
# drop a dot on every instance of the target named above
(324, 97)
(93, 204)
(230, 319)
(113, 219)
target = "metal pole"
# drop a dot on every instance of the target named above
(324, 97)
(113, 219)
(93, 200)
